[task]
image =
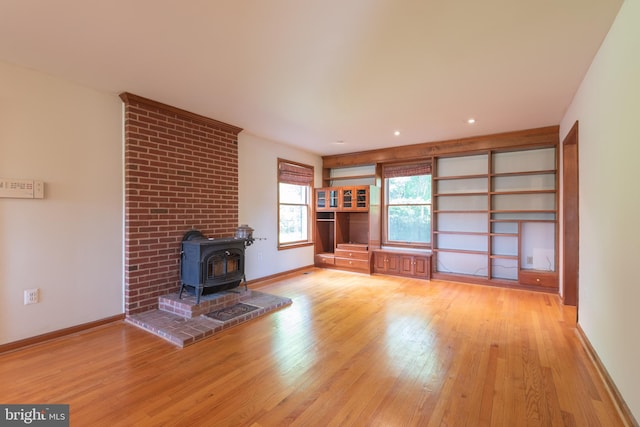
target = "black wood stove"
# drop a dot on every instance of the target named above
(212, 265)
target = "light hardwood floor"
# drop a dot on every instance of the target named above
(350, 350)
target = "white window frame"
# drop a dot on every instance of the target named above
(408, 243)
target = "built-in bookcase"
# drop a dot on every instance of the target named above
(461, 215)
(495, 216)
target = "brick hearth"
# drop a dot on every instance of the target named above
(183, 322)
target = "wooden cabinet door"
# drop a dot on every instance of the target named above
(380, 262)
(361, 195)
(321, 199)
(347, 198)
(406, 265)
(393, 263)
(422, 267)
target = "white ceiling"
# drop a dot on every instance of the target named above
(313, 72)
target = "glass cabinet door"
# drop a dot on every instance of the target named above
(361, 198)
(326, 199)
(321, 199)
(342, 198)
(355, 198)
(333, 199)
(347, 198)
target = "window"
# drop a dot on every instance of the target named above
(295, 181)
(407, 190)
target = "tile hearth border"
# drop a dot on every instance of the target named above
(183, 322)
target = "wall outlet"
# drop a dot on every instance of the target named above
(529, 260)
(31, 296)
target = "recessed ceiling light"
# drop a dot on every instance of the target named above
(471, 121)
(397, 133)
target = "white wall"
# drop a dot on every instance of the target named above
(607, 106)
(70, 243)
(258, 203)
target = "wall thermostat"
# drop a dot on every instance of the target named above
(21, 188)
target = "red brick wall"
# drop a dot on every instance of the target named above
(181, 171)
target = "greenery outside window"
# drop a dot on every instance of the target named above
(295, 183)
(407, 190)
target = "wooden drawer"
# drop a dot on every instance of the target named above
(538, 278)
(343, 253)
(324, 259)
(360, 247)
(354, 264)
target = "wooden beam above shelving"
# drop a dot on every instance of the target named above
(545, 136)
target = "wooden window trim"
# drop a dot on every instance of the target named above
(295, 173)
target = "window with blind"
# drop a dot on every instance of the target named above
(407, 189)
(295, 183)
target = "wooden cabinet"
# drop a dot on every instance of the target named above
(386, 263)
(347, 229)
(346, 199)
(326, 199)
(401, 263)
(353, 256)
(354, 198)
(417, 266)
